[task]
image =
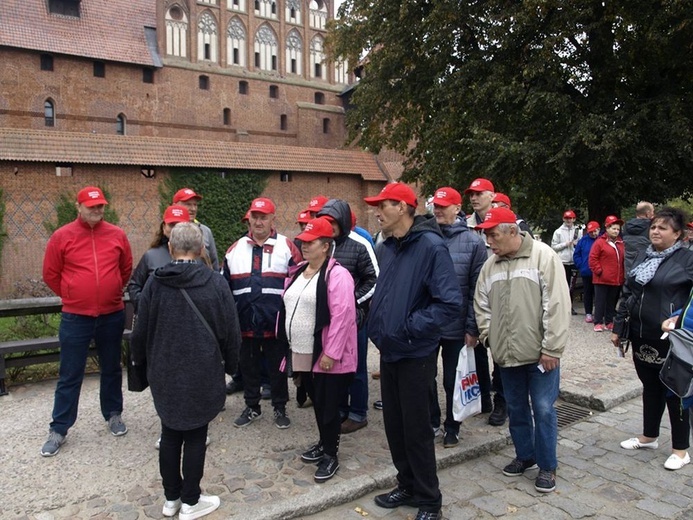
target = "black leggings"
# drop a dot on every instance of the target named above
(191, 444)
(654, 400)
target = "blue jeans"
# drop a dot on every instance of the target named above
(533, 439)
(75, 334)
(355, 403)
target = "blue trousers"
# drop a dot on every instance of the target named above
(76, 333)
(533, 428)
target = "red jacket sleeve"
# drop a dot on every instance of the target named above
(53, 264)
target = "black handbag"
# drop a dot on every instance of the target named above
(677, 371)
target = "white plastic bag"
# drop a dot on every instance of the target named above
(467, 397)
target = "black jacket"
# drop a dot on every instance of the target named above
(650, 304)
(353, 252)
(151, 259)
(185, 364)
(636, 238)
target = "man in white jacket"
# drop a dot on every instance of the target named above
(564, 240)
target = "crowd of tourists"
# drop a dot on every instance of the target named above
(276, 309)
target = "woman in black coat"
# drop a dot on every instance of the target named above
(658, 284)
(186, 359)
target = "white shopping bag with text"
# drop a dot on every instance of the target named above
(467, 397)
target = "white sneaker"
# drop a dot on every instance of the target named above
(635, 444)
(675, 462)
(205, 505)
(157, 444)
(171, 507)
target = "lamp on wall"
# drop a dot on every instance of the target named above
(147, 172)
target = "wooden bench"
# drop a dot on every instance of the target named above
(34, 345)
(32, 306)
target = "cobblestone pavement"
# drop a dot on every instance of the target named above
(258, 475)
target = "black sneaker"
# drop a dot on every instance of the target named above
(500, 411)
(313, 454)
(281, 420)
(429, 515)
(232, 387)
(378, 405)
(517, 467)
(395, 498)
(249, 415)
(327, 467)
(546, 481)
(450, 440)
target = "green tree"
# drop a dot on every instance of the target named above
(561, 104)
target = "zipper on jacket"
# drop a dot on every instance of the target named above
(96, 272)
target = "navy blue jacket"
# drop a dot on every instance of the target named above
(581, 255)
(468, 254)
(416, 295)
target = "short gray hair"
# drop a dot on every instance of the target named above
(186, 237)
(507, 228)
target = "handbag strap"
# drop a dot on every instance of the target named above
(199, 314)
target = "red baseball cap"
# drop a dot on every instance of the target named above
(176, 214)
(303, 217)
(397, 191)
(262, 205)
(478, 185)
(569, 214)
(91, 196)
(496, 216)
(592, 225)
(502, 198)
(316, 203)
(447, 196)
(185, 194)
(317, 228)
(611, 219)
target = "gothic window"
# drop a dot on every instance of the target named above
(227, 116)
(243, 87)
(204, 82)
(317, 57)
(176, 32)
(293, 11)
(283, 124)
(207, 38)
(294, 45)
(49, 112)
(274, 91)
(236, 5)
(341, 72)
(318, 14)
(235, 43)
(265, 49)
(120, 124)
(266, 8)
(326, 125)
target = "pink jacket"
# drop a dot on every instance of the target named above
(339, 336)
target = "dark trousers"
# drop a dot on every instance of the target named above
(654, 400)
(569, 276)
(482, 370)
(252, 352)
(76, 333)
(405, 388)
(587, 293)
(605, 299)
(191, 444)
(325, 390)
(355, 402)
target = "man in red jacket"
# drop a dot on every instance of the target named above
(87, 263)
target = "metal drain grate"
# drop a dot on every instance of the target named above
(569, 414)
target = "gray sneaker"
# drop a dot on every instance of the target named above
(281, 420)
(116, 425)
(52, 445)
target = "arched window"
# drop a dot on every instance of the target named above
(236, 43)
(265, 49)
(236, 5)
(341, 72)
(243, 87)
(266, 8)
(120, 124)
(49, 112)
(273, 91)
(204, 82)
(293, 11)
(317, 57)
(294, 45)
(318, 14)
(207, 38)
(176, 32)
(326, 125)
(227, 116)
(283, 124)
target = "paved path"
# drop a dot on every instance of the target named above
(257, 471)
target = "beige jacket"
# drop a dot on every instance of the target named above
(522, 305)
